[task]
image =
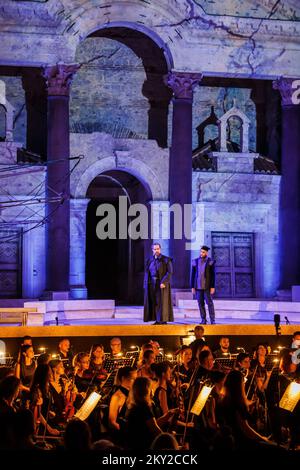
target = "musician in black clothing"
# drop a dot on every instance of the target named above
(65, 354)
(118, 402)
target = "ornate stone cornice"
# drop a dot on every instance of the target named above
(183, 83)
(58, 78)
(287, 88)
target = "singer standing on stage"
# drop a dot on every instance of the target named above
(203, 283)
(157, 287)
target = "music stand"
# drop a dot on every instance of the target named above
(112, 366)
(227, 362)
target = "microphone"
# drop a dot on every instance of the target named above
(287, 321)
(277, 324)
(56, 321)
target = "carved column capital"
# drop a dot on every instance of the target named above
(183, 83)
(58, 78)
(289, 90)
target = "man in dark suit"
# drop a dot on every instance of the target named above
(203, 283)
(157, 287)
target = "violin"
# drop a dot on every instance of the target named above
(37, 411)
(70, 394)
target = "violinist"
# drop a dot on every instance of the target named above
(242, 363)
(96, 363)
(148, 359)
(233, 411)
(81, 365)
(58, 389)
(164, 396)
(65, 355)
(259, 368)
(185, 368)
(117, 406)
(41, 399)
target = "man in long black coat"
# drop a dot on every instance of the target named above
(157, 287)
(203, 283)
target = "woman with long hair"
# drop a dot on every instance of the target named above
(117, 406)
(41, 399)
(25, 367)
(142, 427)
(233, 411)
(148, 359)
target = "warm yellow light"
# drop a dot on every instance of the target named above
(54, 356)
(170, 356)
(275, 360)
(290, 397)
(119, 354)
(201, 400)
(89, 405)
(276, 351)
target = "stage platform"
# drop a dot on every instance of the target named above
(102, 318)
(92, 312)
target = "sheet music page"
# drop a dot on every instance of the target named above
(290, 397)
(89, 405)
(201, 400)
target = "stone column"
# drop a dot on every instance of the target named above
(58, 80)
(289, 205)
(180, 168)
(78, 248)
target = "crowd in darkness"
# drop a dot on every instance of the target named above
(150, 403)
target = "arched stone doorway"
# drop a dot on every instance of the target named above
(115, 267)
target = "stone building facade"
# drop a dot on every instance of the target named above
(105, 101)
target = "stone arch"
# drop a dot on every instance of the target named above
(245, 123)
(136, 167)
(157, 61)
(142, 29)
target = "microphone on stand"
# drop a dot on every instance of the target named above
(56, 321)
(287, 321)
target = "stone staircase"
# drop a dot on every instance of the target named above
(186, 310)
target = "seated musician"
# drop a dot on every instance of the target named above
(233, 411)
(242, 363)
(81, 364)
(117, 406)
(156, 347)
(164, 396)
(145, 347)
(58, 389)
(145, 369)
(25, 368)
(141, 425)
(116, 348)
(223, 350)
(41, 401)
(259, 367)
(185, 368)
(97, 362)
(65, 354)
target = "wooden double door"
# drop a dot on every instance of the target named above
(235, 270)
